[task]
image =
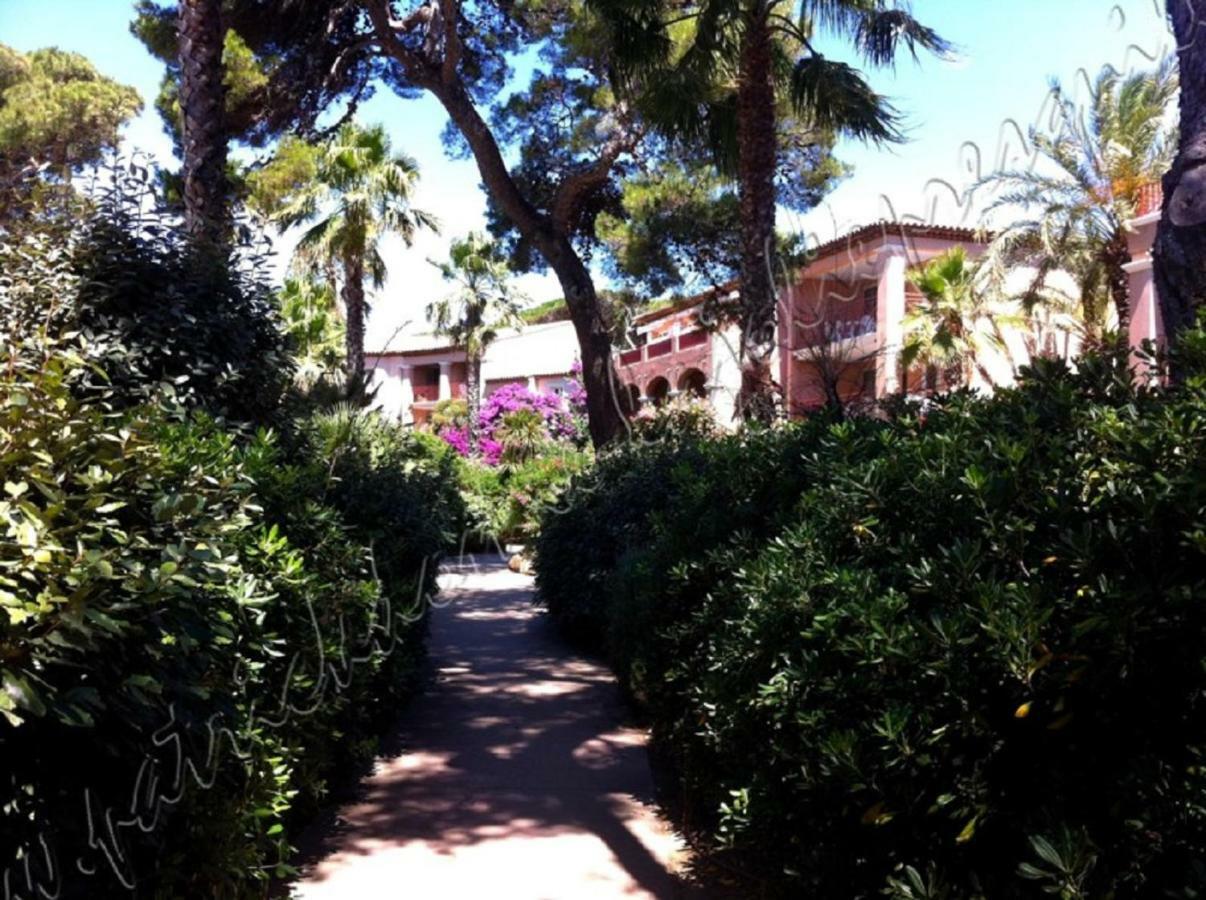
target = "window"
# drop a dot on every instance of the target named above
(871, 302)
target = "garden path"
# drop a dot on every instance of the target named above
(519, 779)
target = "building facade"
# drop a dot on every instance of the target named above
(841, 332)
(411, 380)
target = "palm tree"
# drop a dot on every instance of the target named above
(202, 101)
(949, 332)
(727, 72)
(482, 302)
(307, 307)
(1180, 250)
(1086, 187)
(352, 193)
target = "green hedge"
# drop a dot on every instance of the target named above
(958, 654)
(201, 623)
(161, 574)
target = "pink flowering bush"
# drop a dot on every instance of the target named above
(458, 439)
(562, 415)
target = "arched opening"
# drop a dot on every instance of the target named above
(693, 383)
(658, 390)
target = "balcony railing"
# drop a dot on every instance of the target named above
(661, 348)
(664, 347)
(427, 393)
(850, 329)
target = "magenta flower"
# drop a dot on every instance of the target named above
(562, 417)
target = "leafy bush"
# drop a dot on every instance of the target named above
(156, 315)
(451, 413)
(197, 624)
(680, 417)
(653, 504)
(957, 655)
(505, 504)
(159, 574)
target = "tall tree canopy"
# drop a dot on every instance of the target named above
(1180, 251)
(727, 72)
(678, 222)
(1078, 200)
(57, 112)
(316, 56)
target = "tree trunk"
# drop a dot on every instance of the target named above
(830, 384)
(603, 410)
(1118, 254)
(443, 80)
(756, 189)
(202, 105)
(1179, 254)
(604, 407)
(473, 400)
(353, 302)
(330, 273)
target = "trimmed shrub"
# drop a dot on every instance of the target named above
(199, 624)
(952, 655)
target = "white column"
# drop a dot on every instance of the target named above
(445, 381)
(532, 383)
(889, 323)
(725, 383)
(406, 414)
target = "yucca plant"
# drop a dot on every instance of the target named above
(483, 301)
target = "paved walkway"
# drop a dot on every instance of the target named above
(521, 781)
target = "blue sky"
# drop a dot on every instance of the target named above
(1007, 53)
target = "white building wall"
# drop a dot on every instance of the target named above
(725, 382)
(548, 349)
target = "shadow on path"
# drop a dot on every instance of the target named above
(520, 779)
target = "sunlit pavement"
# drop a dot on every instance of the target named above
(519, 779)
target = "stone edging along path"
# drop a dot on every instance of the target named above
(518, 779)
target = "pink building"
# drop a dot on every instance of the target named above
(841, 331)
(411, 382)
(425, 369)
(842, 323)
(676, 353)
(844, 315)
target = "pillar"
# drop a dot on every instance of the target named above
(406, 414)
(445, 381)
(889, 324)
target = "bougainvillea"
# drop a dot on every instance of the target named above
(562, 415)
(458, 439)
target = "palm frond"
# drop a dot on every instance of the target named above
(836, 96)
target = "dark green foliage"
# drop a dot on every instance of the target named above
(155, 315)
(953, 655)
(205, 622)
